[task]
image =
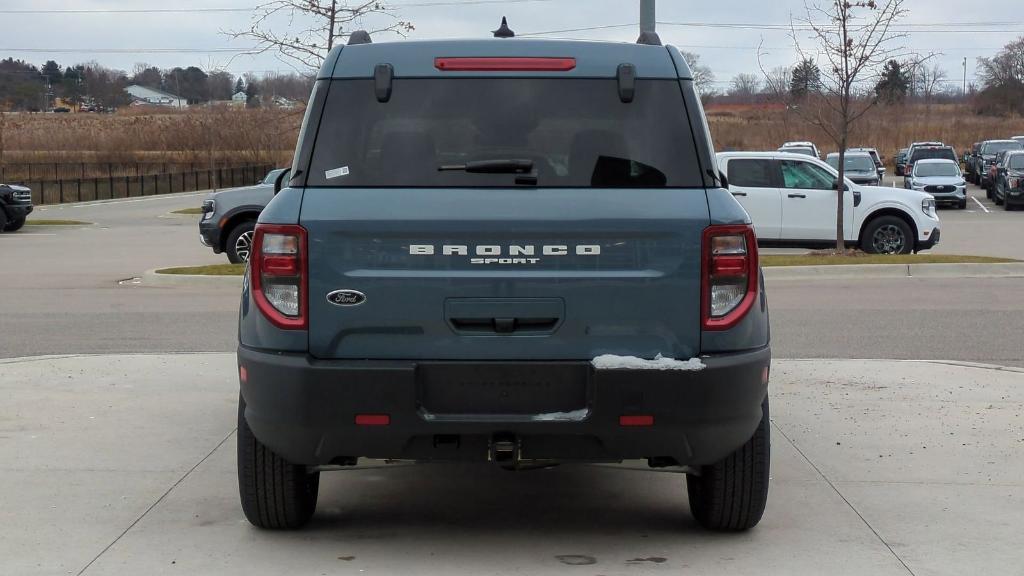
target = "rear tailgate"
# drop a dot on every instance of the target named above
(495, 274)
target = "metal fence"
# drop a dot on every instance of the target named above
(58, 191)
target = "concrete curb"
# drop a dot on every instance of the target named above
(1007, 270)
(151, 278)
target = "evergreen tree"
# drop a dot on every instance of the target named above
(806, 79)
(894, 85)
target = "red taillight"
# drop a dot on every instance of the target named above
(505, 64)
(729, 275)
(278, 274)
(636, 420)
(373, 420)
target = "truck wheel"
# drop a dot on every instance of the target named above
(730, 495)
(239, 243)
(962, 205)
(14, 225)
(887, 235)
(3, 220)
(275, 493)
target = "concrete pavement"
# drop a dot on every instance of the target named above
(125, 465)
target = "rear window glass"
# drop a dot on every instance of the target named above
(923, 153)
(576, 132)
(797, 150)
(854, 163)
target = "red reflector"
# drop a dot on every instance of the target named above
(372, 419)
(729, 265)
(243, 374)
(280, 266)
(636, 420)
(505, 64)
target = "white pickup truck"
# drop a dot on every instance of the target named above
(791, 199)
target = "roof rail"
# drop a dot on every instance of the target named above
(359, 37)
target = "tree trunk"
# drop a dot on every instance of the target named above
(840, 189)
(333, 20)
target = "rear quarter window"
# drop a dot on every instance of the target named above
(577, 133)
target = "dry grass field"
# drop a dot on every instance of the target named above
(200, 136)
(766, 127)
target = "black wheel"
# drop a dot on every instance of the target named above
(887, 235)
(996, 197)
(962, 205)
(239, 243)
(3, 220)
(14, 225)
(730, 495)
(275, 493)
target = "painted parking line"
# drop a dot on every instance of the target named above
(978, 202)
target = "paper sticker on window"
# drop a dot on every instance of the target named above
(343, 171)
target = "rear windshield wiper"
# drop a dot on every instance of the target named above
(491, 167)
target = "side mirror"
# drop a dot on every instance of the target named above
(835, 186)
(281, 179)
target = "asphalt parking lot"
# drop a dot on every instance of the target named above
(117, 450)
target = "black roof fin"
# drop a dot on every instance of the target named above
(504, 31)
(649, 38)
(359, 37)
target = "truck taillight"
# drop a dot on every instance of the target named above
(278, 274)
(729, 275)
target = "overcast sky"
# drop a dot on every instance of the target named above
(120, 40)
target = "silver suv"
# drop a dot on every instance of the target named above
(229, 216)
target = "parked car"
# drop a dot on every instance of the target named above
(923, 152)
(900, 160)
(970, 162)
(791, 200)
(941, 178)
(1018, 139)
(986, 158)
(875, 157)
(860, 167)
(229, 216)
(806, 148)
(439, 279)
(1009, 182)
(15, 206)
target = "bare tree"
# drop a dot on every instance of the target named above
(930, 81)
(852, 39)
(744, 85)
(703, 77)
(777, 81)
(304, 31)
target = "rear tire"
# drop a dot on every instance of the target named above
(887, 235)
(730, 495)
(275, 493)
(14, 225)
(3, 220)
(962, 205)
(239, 244)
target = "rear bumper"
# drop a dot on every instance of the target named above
(305, 410)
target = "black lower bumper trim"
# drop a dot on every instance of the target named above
(305, 409)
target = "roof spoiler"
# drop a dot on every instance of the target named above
(359, 37)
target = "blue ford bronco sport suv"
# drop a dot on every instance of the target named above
(510, 251)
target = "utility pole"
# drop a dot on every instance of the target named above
(965, 76)
(648, 23)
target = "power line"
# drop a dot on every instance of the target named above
(438, 3)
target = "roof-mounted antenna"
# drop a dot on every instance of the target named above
(648, 24)
(504, 31)
(359, 37)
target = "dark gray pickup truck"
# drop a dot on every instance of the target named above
(15, 206)
(510, 251)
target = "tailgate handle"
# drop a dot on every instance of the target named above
(504, 325)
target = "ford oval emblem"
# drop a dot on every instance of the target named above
(346, 298)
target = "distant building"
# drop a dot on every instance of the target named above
(239, 98)
(142, 96)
